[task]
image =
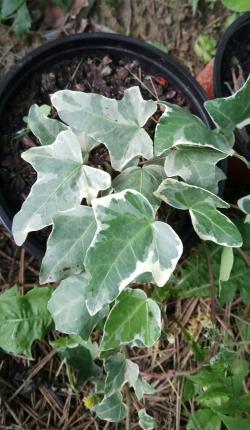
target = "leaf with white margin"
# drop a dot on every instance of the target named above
(127, 243)
(118, 124)
(72, 233)
(196, 166)
(142, 388)
(119, 371)
(244, 205)
(208, 222)
(62, 182)
(144, 179)
(68, 308)
(45, 129)
(231, 112)
(111, 408)
(146, 422)
(134, 317)
(179, 127)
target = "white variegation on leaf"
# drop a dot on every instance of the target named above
(45, 129)
(244, 205)
(118, 124)
(127, 243)
(68, 308)
(134, 319)
(208, 222)
(180, 127)
(196, 166)
(62, 182)
(73, 231)
(111, 408)
(146, 180)
(231, 112)
(120, 371)
(146, 422)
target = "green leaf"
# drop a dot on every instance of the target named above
(9, 7)
(22, 21)
(80, 359)
(133, 319)
(146, 422)
(111, 408)
(233, 423)
(68, 308)
(205, 47)
(237, 5)
(23, 319)
(45, 129)
(119, 371)
(178, 127)
(226, 264)
(231, 112)
(72, 234)
(128, 242)
(204, 419)
(145, 180)
(208, 222)
(120, 122)
(142, 388)
(244, 205)
(62, 182)
(196, 166)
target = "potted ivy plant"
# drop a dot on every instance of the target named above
(109, 236)
(98, 62)
(232, 68)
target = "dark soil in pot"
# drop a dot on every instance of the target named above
(108, 75)
(232, 68)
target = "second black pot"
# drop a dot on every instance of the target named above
(235, 41)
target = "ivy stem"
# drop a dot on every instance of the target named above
(152, 161)
(128, 399)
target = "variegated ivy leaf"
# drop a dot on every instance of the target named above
(197, 166)
(208, 222)
(231, 112)
(145, 180)
(68, 308)
(119, 371)
(128, 242)
(73, 231)
(62, 182)
(142, 388)
(118, 124)
(146, 422)
(111, 408)
(244, 205)
(133, 319)
(180, 127)
(45, 129)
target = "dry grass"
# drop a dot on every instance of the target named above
(35, 394)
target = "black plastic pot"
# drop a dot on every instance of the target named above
(152, 60)
(234, 35)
